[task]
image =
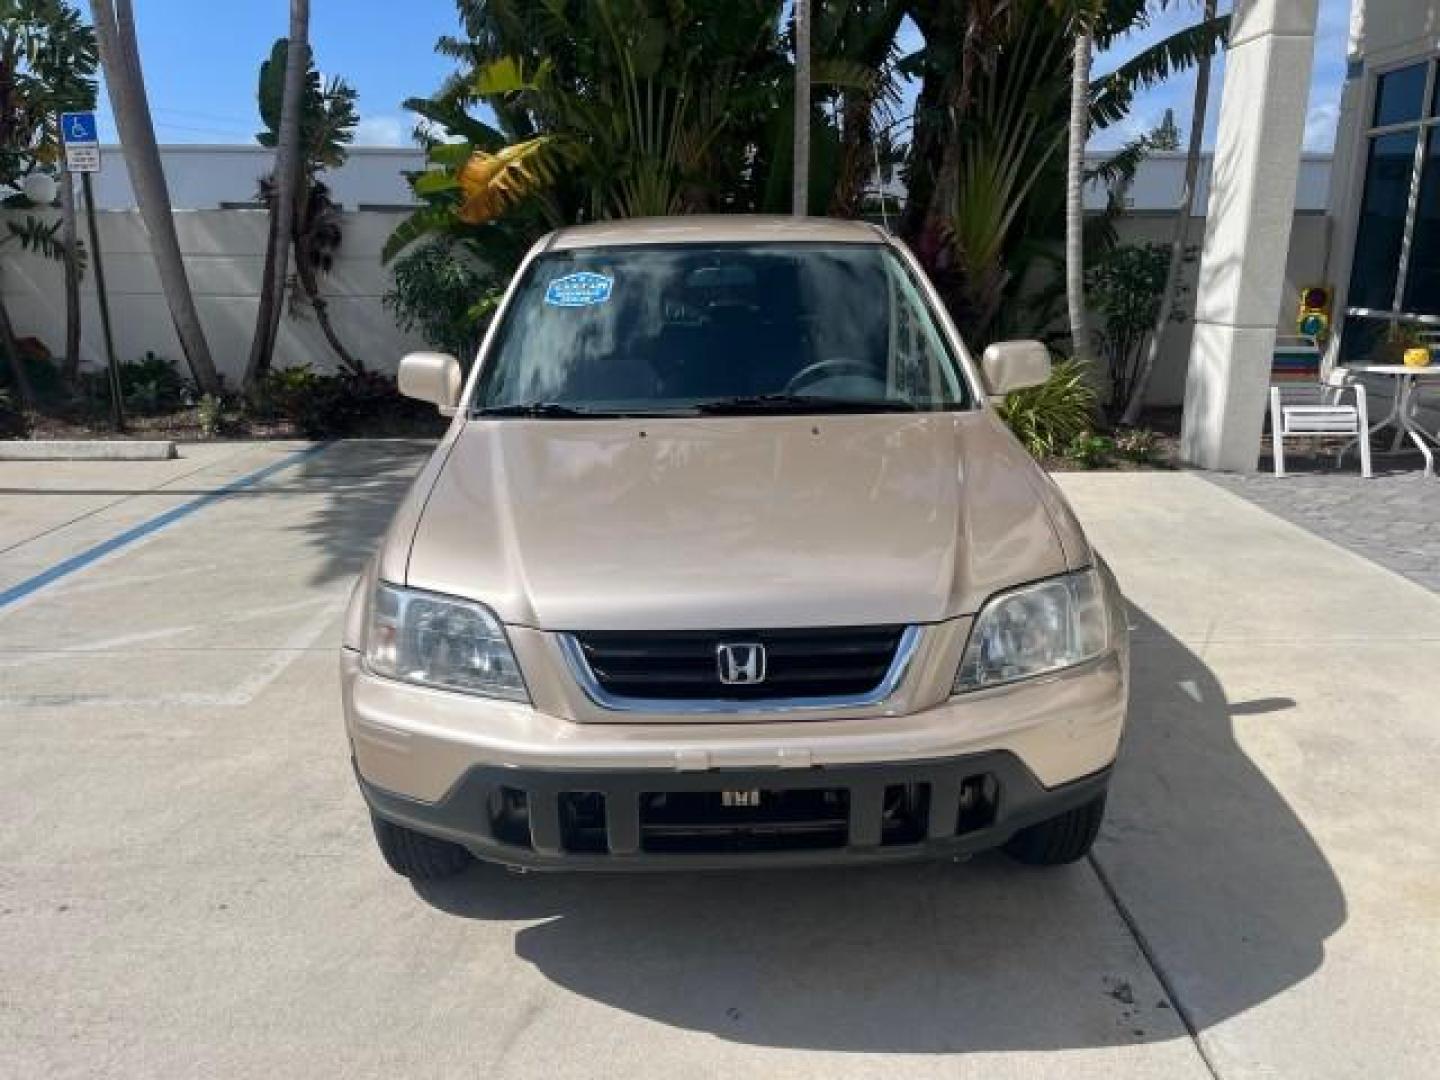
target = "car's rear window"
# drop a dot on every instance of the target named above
(694, 327)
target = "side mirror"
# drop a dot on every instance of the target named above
(433, 377)
(1014, 365)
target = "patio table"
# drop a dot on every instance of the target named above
(1402, 408)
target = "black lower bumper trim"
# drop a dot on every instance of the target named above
(655, 820)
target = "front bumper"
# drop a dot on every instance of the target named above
(437, 762)
(586, 820)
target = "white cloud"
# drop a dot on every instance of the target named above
(382, 131)
(1320, 126)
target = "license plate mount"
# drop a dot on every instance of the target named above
(743, 799)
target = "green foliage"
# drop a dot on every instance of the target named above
(329, 406)
(48, 67)
(39, 237)
(328, 115)
(1090, 451)
(1047, 418)
(328, 120)
(1138, 445)
(152, 385)
(47, 384)
(986, 190)
(1166, 135)
(14, 424)
(1114, 94)
(445, 294)
(1124, 287)
(210, 412)
(624, 108)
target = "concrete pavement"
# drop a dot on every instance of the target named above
(187, 882)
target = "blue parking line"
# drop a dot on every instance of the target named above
(138, 532)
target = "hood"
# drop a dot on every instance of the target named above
(736, 522)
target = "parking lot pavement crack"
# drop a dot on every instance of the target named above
(1153, 962)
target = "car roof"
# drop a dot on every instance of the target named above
(715, 228)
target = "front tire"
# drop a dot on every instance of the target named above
(417, 856)
(1065, 838)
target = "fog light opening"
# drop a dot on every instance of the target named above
(510, 816)
(979, 800)
(905, 812)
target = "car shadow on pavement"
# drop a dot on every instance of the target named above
(365, 481)
(1233, 898)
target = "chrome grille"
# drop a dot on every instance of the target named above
(684, 666)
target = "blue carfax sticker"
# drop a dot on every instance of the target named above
(582, 289)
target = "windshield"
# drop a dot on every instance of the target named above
(718, 328)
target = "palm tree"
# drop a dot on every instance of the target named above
(47, 66)
(57, 76)
(1181, 235)
(288, 165)
(120, 58)
(800, 177)
(987, 178)
(327, 127)
(1078, 136)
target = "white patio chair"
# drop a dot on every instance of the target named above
(1304, 404)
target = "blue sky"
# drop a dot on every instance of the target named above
(201, 63)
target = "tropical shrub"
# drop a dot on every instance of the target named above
(617, 108)
(210, 414)
(985, 168)
(1048, 418)
(328, 118)
(444, 293)
(1138, 445)
(623, 108)
(13, 422)
(1124, 286)
(345, 403)
(1090, 450)
(152, 385)
(42, 375)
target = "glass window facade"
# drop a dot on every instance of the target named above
(1395, 270)
(1399, 95)
(1380, 229)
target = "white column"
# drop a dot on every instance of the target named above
(1247, 231)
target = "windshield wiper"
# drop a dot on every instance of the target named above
(553, 410)
(549, 410)
(798, 403)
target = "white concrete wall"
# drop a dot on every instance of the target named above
(1384, 31)
(224, 257)
(1160, 180)
(1309, 240)
(208, 177)
(224, 252)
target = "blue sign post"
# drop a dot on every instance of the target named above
(82, 155)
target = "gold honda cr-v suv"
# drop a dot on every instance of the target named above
(727, 560)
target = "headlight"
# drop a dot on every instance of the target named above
(437, 641)
(1032, 630)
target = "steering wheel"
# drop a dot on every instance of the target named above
(828, 369)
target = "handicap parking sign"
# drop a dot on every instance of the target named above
(79, 127)
(82, 141)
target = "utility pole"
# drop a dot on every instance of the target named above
(800, 196)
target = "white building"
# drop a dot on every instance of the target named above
(1382, 255)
